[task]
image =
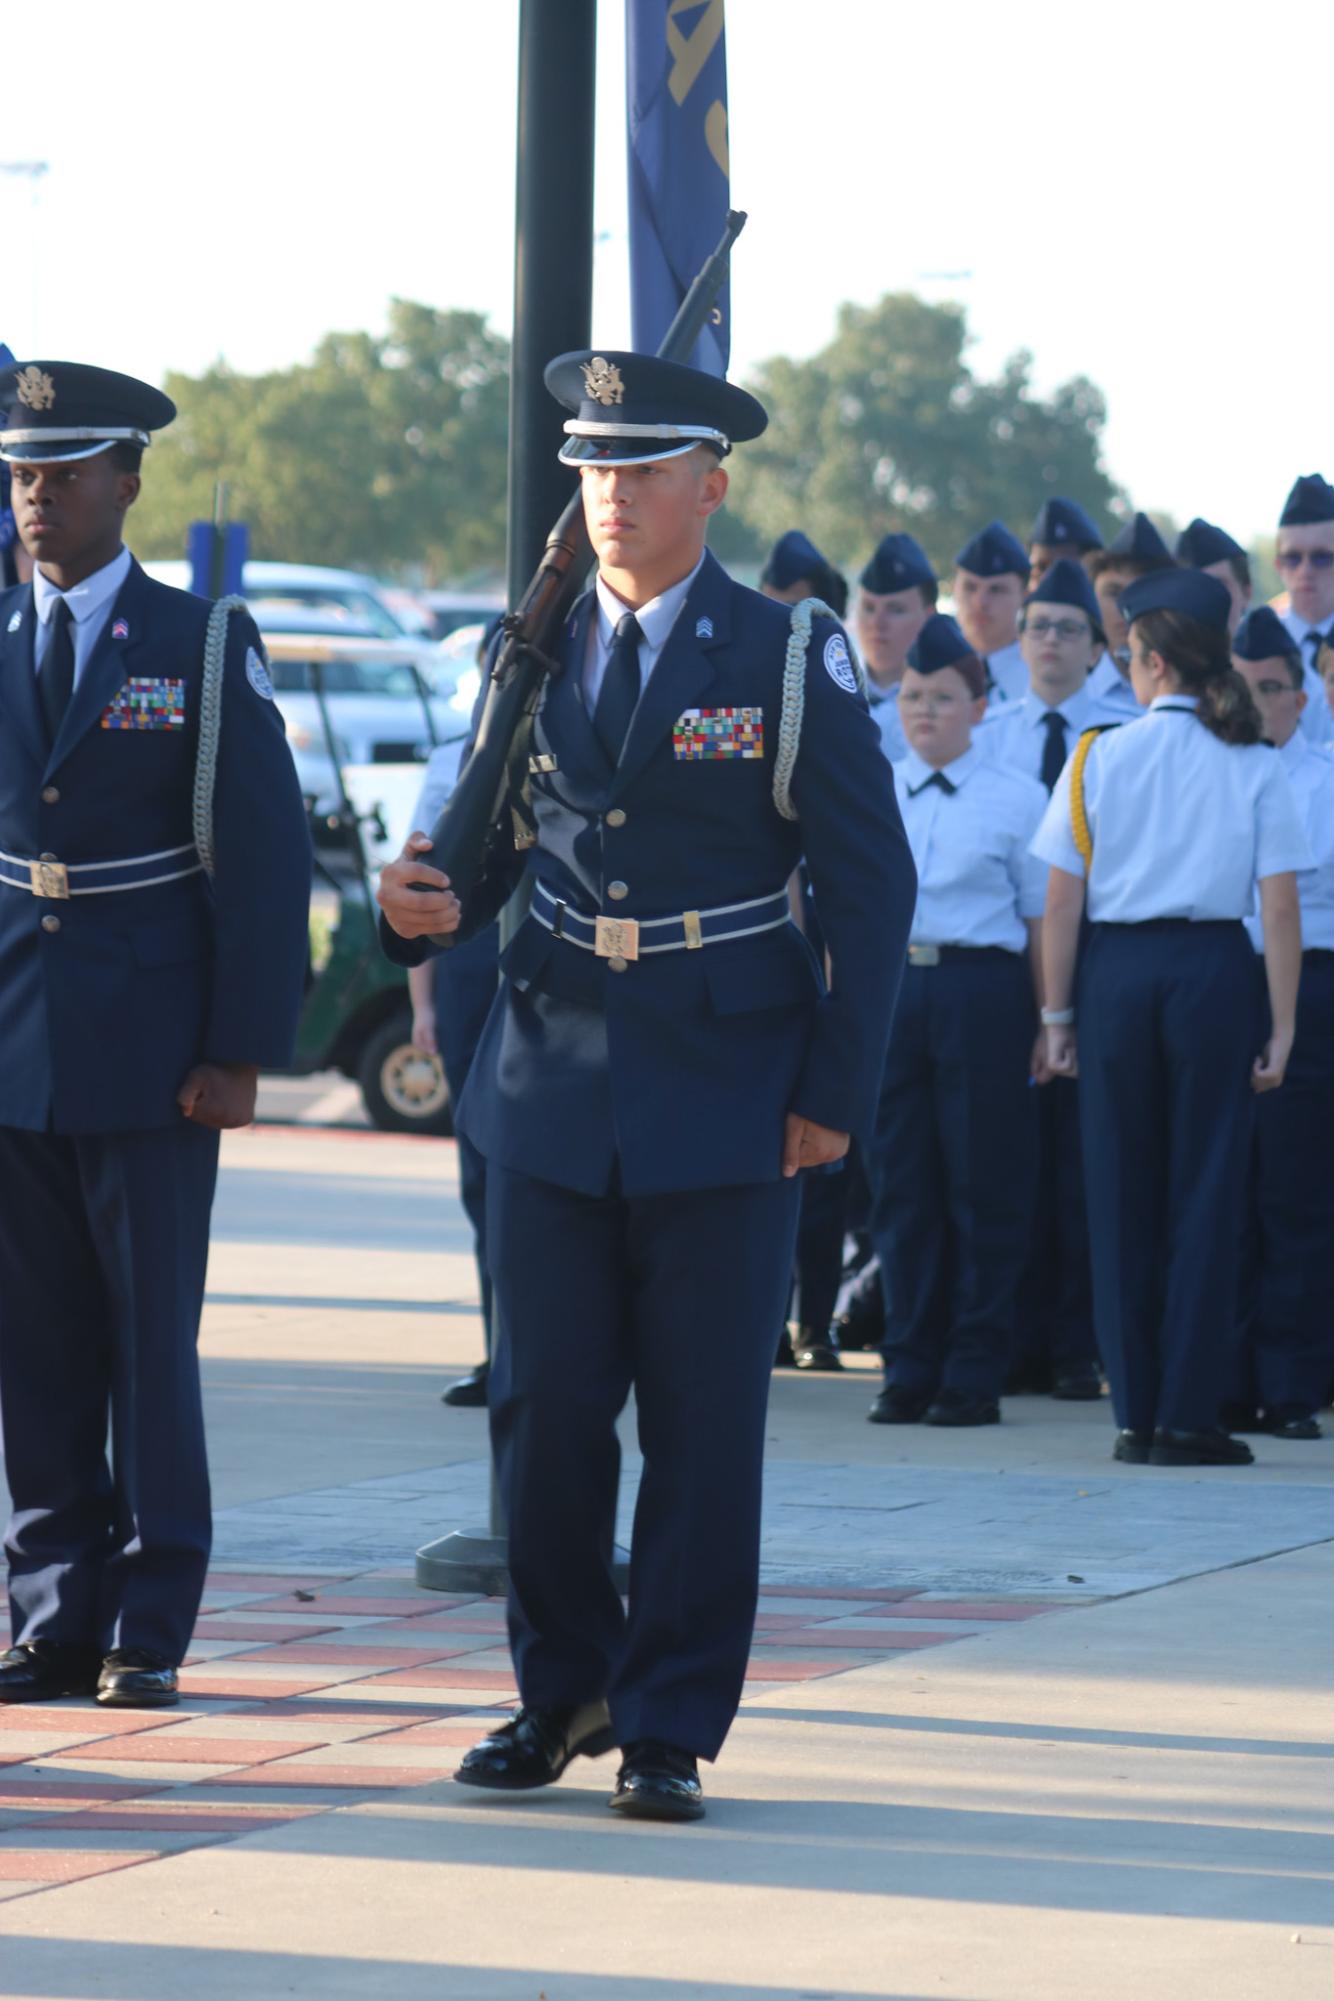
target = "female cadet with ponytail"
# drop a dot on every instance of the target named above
(1167, 823)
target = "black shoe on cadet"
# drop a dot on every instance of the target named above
(469, 1392)
(535, 1746)
(1198, 1448)
(658, 1782)
(136, 1678)
(44, 1670)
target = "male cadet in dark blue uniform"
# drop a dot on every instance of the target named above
(139, 996)
(660, 1064)
(1061, 528)
(990, 578)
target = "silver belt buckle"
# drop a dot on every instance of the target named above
(50, 879)
(616, 937)
(924, 955)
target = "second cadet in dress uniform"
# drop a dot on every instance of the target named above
(1137, 551)
(152, 959)
(990, 579)
(1061, 528)
(1062, 640)
(953, 1163)
(1287, 1349)
(1305, 559)
(662, 1061)
(896, 595)
(1164, 826)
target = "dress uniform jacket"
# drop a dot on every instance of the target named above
(108, 999)
(679, 1069)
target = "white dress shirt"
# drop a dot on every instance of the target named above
(1008, 671)
(1016, 734)
(656, 620)
(1317, 722)
(884, 704)
(90, 606)
(1183, 824)
(1311, 775)
(1108, 685)
(977, 880)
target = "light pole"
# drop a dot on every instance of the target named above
(33, 172)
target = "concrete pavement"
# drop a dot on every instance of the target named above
(1021, 1722)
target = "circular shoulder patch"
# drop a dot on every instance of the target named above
(838, 663)
(257, 674)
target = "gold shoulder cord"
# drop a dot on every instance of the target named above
(1079, 819)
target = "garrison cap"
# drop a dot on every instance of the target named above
(1063, 523)
(51, 411)
(1067, 582)
(631, 408)
(1140, 541)
(1201, 544)
(1187, 591)
(1311, 500)
(1262, 635)
(994, 552)
(899, 562)
(940, 643)
(794, 557)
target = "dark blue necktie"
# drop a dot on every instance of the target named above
(619, 692)
(55, 676)
(946, 785)
(1053, 750)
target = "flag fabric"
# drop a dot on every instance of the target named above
(8, 530)
(676, 60)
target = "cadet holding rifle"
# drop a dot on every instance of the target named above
(661, 1063)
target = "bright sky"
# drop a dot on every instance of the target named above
(1122, 199)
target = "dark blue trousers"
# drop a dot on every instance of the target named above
(103, 1250)
(1055, 1328)
(1287, 1359)
(464, 989)
(676, 1296)
(952, 1175)
(1168, 1031)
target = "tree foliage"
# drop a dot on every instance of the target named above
(378, 453)
(389, 453)
(888, 427)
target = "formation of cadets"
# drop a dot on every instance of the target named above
(1082, 1165)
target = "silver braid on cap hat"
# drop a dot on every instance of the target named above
(210, 726)
(794, 696)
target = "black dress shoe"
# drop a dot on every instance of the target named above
(469, 1392)
(815, 1355)
(136, 1678)
(1077, 1386)
(44, 1670)
(535, 1746)
(898, 1407)
(658, 1782)
(1285, 1423)
(1132, 1447)
(1197, 1448)
(956, 1407)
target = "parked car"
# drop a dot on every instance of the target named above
(451, 609)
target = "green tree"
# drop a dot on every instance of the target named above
(888, 427)
(379, 453)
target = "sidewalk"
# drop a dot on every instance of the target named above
(1021, 1722)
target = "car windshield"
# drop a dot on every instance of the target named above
(347, 675)
(359, 608)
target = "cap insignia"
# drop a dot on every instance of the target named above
(602, 379)
(36, 388)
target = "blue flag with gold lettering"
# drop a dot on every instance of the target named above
(8, 532)
(676, 61)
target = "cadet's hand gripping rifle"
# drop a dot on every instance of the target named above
(475, 821)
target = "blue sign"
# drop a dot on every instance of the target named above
(679, 194)
(216, 556)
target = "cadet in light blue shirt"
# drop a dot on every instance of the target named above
(1173, 821)
(1062, 638)
(1287, 1322)
(990, 578)
(954, 1156)
(896, 595)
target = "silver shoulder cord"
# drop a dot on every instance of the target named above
(794, 696)
(210, 724)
